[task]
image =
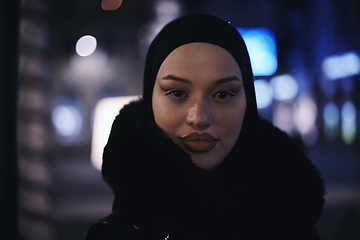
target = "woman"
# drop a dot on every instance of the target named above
(192, 159)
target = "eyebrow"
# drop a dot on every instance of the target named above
(220, 81)
(227, 79)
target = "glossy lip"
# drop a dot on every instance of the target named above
(199, 143)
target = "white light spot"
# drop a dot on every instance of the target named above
(263, 93)
(285, 87)
(86, 45)
(305, 114)
(341, 66)
(67, 121)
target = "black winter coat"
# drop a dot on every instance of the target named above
(161, 194)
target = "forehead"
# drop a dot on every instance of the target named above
(200, 58)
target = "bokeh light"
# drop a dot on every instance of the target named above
(261, 44)
(283, 117)
(348, 122)
(341, 66)
(94, 68)
(285, 87)
(67, 122)
(166, 10)
(86, 45)
(331, 117)
(263, 93)
(305, 114)
(111, 4)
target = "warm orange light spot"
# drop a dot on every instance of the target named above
(111, 4)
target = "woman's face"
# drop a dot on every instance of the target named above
(199, 101)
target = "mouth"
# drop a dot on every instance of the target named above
(199, 143)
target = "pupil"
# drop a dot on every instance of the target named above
(177, 94)
(222, 95)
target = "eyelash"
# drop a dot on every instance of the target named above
(231, 94)
(173, 92)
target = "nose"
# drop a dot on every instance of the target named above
(199, 116)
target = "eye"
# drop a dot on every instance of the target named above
(223, 95)
(176, 93)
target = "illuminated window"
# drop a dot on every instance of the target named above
(348, 122)
(263, 93)
(261, 44)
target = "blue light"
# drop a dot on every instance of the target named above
(67, 122)
(261, 44)
(348, 122)
(263, 93)
(331, 114)
(331, 119)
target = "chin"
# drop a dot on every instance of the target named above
(205, 161)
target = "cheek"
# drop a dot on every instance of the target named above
(230, 122)
(165, 115)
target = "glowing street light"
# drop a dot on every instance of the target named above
(86, 45)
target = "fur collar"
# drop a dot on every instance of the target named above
(155, 181)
